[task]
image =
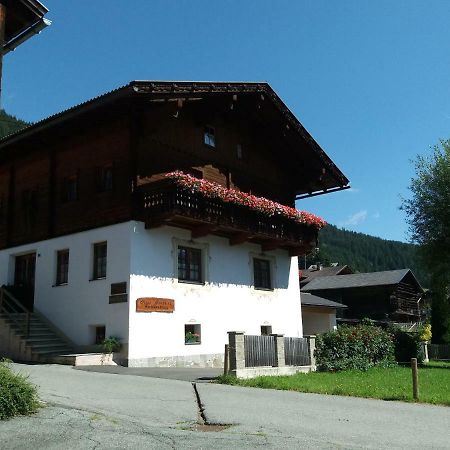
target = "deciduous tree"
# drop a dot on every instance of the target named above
(428, 215)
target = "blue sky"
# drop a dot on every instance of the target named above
(369, 80)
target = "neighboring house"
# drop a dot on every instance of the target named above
(317, 270)
(389, 296)
(318, 314)
(99, 240)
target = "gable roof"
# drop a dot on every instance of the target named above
(308, 275)
(331, 179)
(356, 280)
(21, 15)
(308, 299)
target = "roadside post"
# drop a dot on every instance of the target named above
(415, 378)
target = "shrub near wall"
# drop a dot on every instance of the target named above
(17, 395)
(354, 347)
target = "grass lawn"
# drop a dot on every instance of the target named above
(384, 384)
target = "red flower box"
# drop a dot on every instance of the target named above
(260, 204)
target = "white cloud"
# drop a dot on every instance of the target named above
(355, 219)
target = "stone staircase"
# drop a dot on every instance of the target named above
(29, 334)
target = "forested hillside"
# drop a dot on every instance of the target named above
(9, 124)
(364, 253)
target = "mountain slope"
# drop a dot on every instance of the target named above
(364, 253)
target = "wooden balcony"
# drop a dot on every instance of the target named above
(165, 203)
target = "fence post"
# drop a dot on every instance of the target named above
(226, 360)
(312, 348)
(279, 349)
(425, 352)
(236, 351)
(415, 378)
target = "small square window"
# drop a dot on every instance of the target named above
(190, 264)
(99, 262)
(192, 334)
(262, 274)
(62, 267)
(100, 334)
(266, 330)
(209, 136)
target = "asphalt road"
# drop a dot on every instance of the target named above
(88, 410)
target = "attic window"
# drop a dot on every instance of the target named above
(209, 136)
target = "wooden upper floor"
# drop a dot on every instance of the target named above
(82, 168)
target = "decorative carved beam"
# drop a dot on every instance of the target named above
(239, 238)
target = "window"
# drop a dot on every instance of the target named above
(266, 330)
(239, 151)
(70, 189)
(62, 267)
(192, 334)
(209, 136)
(262, 274)
(105, 178)
(190, 264)
(100, 334)
(100, 254)
(118, 293)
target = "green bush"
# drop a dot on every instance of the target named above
(17, 395)
(407, 345)
(354, 347)
(111, 344)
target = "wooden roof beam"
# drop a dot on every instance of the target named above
(239, 238)
(202, 230)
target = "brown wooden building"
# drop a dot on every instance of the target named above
(91, 165)
(390, 296)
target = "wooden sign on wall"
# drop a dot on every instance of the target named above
(154, 304)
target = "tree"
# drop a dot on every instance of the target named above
(428, 216)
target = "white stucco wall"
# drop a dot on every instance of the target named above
(147, 261)
(226, 302)
(81, 304)
(318, 322)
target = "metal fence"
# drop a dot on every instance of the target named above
(439, 351)
(260, 351)
(296, 351)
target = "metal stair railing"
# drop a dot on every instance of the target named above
(10, 307)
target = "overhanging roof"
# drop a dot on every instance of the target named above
(358, 280)
(20, 16)
(332, 178)
(313, 300)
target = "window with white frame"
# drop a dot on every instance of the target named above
(262, 274)
(192, 334)
(100, 251)
(62, 267)
(190, 267)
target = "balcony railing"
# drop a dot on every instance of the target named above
(165, 203)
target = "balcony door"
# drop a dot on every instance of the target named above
(24, 275)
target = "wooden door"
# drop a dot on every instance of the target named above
(24, 277)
